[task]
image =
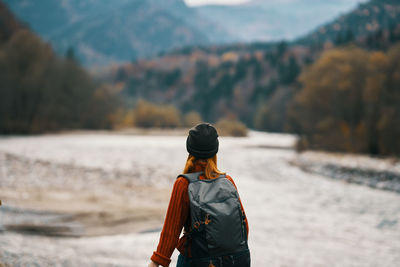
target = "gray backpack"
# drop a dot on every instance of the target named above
(217, 222)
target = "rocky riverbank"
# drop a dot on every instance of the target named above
(379, 173)
(54, 199)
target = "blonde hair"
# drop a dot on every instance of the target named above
(211, 171)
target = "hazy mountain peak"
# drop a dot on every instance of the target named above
(271, 20)
(102, 31)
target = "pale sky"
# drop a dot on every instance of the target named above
(203, 2)
(235, 2)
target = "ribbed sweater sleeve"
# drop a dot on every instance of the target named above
(178, 210)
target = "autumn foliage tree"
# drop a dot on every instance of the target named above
(149, 115)
(41, 92)
(191, 119)
(350, 101)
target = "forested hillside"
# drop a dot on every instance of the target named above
(41, 92)
(376, 19)
(216, 85)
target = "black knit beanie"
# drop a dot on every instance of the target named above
(202, 141)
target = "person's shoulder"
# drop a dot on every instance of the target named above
(180, 186)
(230, 179)
(181, 181)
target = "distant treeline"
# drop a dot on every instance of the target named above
(41, 92)
(149, 115)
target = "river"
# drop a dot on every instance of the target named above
(295, 218)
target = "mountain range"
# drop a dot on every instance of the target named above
(102, 31)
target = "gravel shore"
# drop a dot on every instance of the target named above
(378, 173)
(61, 199)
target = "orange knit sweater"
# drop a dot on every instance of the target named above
(175, 219)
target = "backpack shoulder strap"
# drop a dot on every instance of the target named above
(191, 177)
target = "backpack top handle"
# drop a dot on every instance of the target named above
(194, 177)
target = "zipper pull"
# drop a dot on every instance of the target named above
(207, 221)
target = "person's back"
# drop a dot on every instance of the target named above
(204, 202)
